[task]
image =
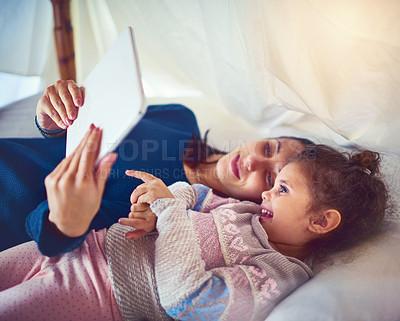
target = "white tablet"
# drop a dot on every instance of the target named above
(114, 97)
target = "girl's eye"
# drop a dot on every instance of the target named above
(283, 189)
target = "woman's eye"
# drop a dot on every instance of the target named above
(268, 150)
(269, 179)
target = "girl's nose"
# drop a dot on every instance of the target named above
(266, 196)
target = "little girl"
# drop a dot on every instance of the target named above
(210, 258)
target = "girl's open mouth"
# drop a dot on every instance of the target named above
(266, 214)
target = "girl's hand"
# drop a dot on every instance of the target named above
(75, 187)
(152, 189)
(141, 218)
(58, 107)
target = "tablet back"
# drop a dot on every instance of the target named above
(114, 97)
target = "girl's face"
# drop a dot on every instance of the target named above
(251, 169)
(285, 216)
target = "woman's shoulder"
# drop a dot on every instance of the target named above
(172, 117)
(170, 109)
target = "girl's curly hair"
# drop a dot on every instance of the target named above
(349, 183)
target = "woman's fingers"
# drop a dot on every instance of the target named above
(76, 156)
(90, 152)
(53, 178)
(68, 166)
(77, 93)
(85, 158)
(65, 165)
(59, 105)
(45, 107)
(72, 98)
(103, 170)
(53, 95)
(65, 93)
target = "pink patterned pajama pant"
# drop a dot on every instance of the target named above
(72, 286)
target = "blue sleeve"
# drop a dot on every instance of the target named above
(52, 242)
(49, 240)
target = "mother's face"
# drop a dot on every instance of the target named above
(251, 169)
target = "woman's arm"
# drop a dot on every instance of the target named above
(170, 126)
(75, 187)
(52, 242)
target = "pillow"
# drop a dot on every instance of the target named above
(366, 288)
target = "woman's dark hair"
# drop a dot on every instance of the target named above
(350, 184)
(198, 150)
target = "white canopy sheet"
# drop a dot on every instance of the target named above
(326, 69)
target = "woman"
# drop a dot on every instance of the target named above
(157, 145)
(211, 258)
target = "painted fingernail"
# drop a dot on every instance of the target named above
(78, 102)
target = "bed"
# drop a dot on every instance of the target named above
(340, 90)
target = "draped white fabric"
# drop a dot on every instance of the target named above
(268, 60)
(327, 68)
(25, 32)
(27, 48)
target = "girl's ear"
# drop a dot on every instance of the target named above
(328, 221)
